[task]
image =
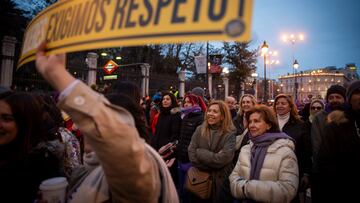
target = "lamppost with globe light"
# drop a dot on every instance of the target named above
(296, 66)
(264, 50)
(225, 78)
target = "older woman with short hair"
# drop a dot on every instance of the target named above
(267, 169)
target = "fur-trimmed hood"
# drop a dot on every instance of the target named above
(175, 110)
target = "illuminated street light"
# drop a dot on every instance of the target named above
(103, 54)
(225, 78)
(272, 62)
(296, 64)
(293, 37)
(264, 50)
(118, 58)
(271, 54)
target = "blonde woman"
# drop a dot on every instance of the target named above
(247, 101)
(212, 149)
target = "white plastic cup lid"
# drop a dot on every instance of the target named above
(53, 183)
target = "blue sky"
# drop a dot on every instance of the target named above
(331, 29)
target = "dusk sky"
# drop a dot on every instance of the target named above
(331, 29)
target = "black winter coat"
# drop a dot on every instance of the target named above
(300, 133)
(238, 123)
(167, 128)
(339, 161)
(20, 178)
(188, 126)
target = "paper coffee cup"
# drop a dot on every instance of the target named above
(54, 189)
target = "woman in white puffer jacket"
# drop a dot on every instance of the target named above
(267, 169)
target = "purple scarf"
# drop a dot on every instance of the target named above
(192, 109)
(258, 151)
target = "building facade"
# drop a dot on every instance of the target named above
(314, 83)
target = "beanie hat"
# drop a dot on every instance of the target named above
(336, 89)
(198, 91)
(156, 97)
(352, 87)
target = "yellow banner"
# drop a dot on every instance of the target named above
(75, 25)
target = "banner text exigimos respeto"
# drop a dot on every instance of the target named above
(75, 25)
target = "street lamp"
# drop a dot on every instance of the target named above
(270, 61)
(225, 74)
(296, 66)
(264, 50)
(293, 38)
(255, 75)
(209, 79)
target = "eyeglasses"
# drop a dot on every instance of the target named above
(316, 108)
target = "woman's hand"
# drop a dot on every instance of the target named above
(52, 68)
(170, 162)
(49, 64)
(304, 183)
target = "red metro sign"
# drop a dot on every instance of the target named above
(110, 67)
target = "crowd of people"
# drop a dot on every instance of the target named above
(120, 147)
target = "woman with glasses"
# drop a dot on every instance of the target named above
(291, 124)
(315, 106)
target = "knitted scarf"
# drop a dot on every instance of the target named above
(192, 109)
(259, 149)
